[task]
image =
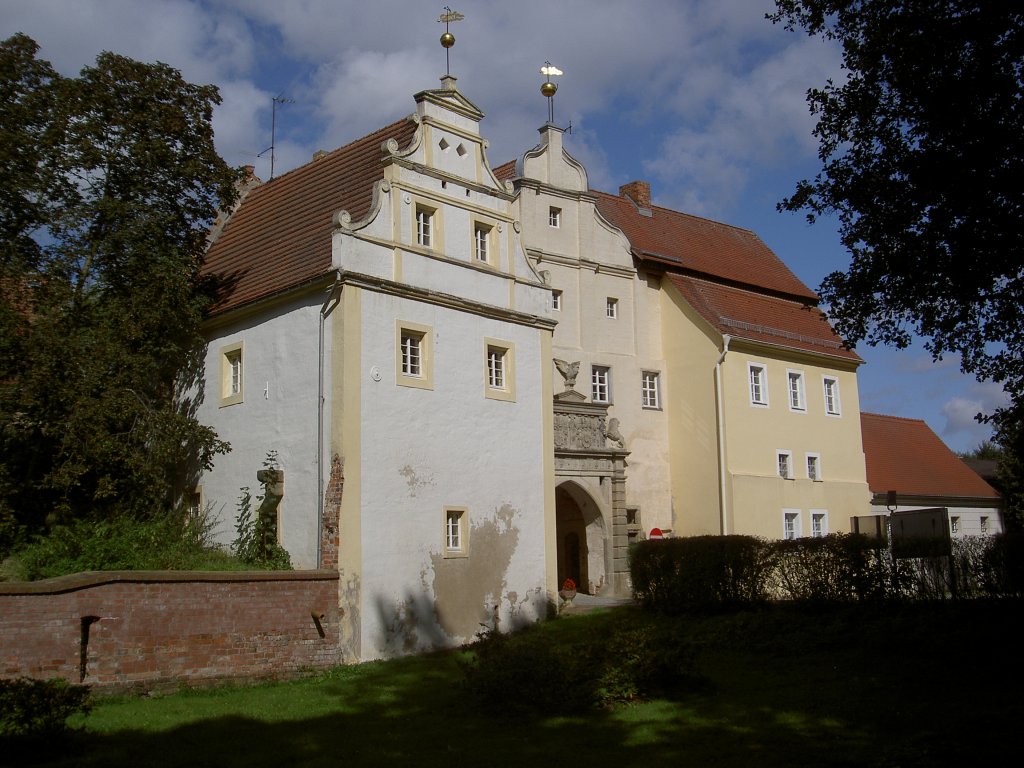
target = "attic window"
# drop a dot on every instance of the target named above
(554, 217)
(461, 149)
(443, 144)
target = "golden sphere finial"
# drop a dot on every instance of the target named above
(548, 89)
(447, 40)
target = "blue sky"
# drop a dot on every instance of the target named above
(703, 98)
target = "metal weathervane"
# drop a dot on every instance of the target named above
(549, 88)
(448, 39)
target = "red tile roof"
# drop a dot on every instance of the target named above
(683, 242)
(505, 171)
(906, 456)
(280, 236)
(747, 314)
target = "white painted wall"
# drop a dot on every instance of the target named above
(278, 412)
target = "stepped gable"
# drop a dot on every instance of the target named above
(681, 242)
(760, 317)
(280, 236)
(906, 456)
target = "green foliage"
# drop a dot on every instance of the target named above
(110, 184)
(700, 572)
(256, 535)
(838, 568)
(168, 542)
(525, 673)
(35, 709)
(922, 145)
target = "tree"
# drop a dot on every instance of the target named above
(111, 183)
(922, 149)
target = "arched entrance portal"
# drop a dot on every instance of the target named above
(580, 531)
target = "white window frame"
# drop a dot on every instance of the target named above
(554, 217)
(611, 308)
(455, 532)
(556, 300)
(499, 370)
(757, 384)
(795, 391)
(414, 371)
(787, 456)
(815, 459)
(819, 515)
(601, 384)
(954, 524)
(650, 390)
(423, 220)
(830, 391)
(791, 524)
(983, 525)
(483, 248)
(232, 374)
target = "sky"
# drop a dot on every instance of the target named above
(705, 99)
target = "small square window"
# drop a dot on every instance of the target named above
(424, 226)
(649, 394)
(819, 523)
(758, 384)
(832, 405)
(791, 524)
(611, 308)
(482, 242)
(600, 384)
(813, 467)
(796, 391)
(232, 374)
(456, 543)
(556, 301)
(784, 460)
(413, 361)
(554, 217)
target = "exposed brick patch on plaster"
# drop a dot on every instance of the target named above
(329, 534)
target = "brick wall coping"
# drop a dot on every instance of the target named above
(87, 579)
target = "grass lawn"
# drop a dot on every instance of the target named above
(899, 686)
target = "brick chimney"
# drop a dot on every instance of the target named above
(639, 192)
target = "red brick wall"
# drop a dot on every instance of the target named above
(125, 629)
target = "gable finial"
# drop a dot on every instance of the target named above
(448, 39)
(549, 88)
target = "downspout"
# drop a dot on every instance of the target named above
(720, 416)
(332, 300)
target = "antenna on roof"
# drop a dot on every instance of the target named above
(279, 99)
(448, 39)
(548, 88)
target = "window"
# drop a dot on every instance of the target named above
(784, 459)
(819, 523)
(796, 391)
(556, 301)
(790, 523)
(611, 308)
(499, 370)
(413, 361)
(832, 407)
(649, 390)
(954, 524)
(554, 217)
(424, 226)
(758, 384)
(194, 500)
(455, 532)
(813, 467)
(232, 378)
(481, 242)
(983, 524)
(600, 384)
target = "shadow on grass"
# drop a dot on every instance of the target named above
(809, 695)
